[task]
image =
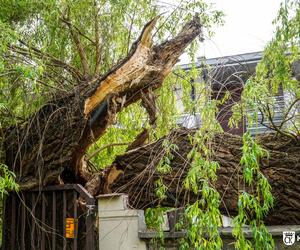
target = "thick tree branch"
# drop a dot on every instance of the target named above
(135, 173)
(143, 63)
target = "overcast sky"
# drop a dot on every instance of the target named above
(248, 27)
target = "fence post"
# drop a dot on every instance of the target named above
(119, 226)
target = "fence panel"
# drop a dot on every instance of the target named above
(54, 217)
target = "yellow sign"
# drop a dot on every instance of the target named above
(71, 228)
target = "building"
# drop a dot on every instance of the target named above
(231, 73)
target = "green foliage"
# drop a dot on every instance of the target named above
(273, 74)
(254, 206)
(155, 220)
(167, 112)
(163, 168)
(130, 122)
(7, 180)
(7, 183)
(203, 217)
(276, 73)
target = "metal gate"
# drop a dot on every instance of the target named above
(55, 217)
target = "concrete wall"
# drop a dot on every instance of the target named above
(172, 239)
(119, 225)
(122, 228)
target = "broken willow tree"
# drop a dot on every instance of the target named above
(56, 137)
(47, 143)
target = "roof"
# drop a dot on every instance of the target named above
(234, 69)
(251, 58)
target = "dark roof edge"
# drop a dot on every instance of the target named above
(244, 58)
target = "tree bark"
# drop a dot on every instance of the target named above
(53, 141)
(135, 173)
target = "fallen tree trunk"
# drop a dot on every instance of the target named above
(135, 173)
(53, 141)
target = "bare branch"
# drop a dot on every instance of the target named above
(130, 30)
(49, 59)
(105, 147)
(79, 31)
(275, 127)
(287, 112)
(97, 41)
(80, 48)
